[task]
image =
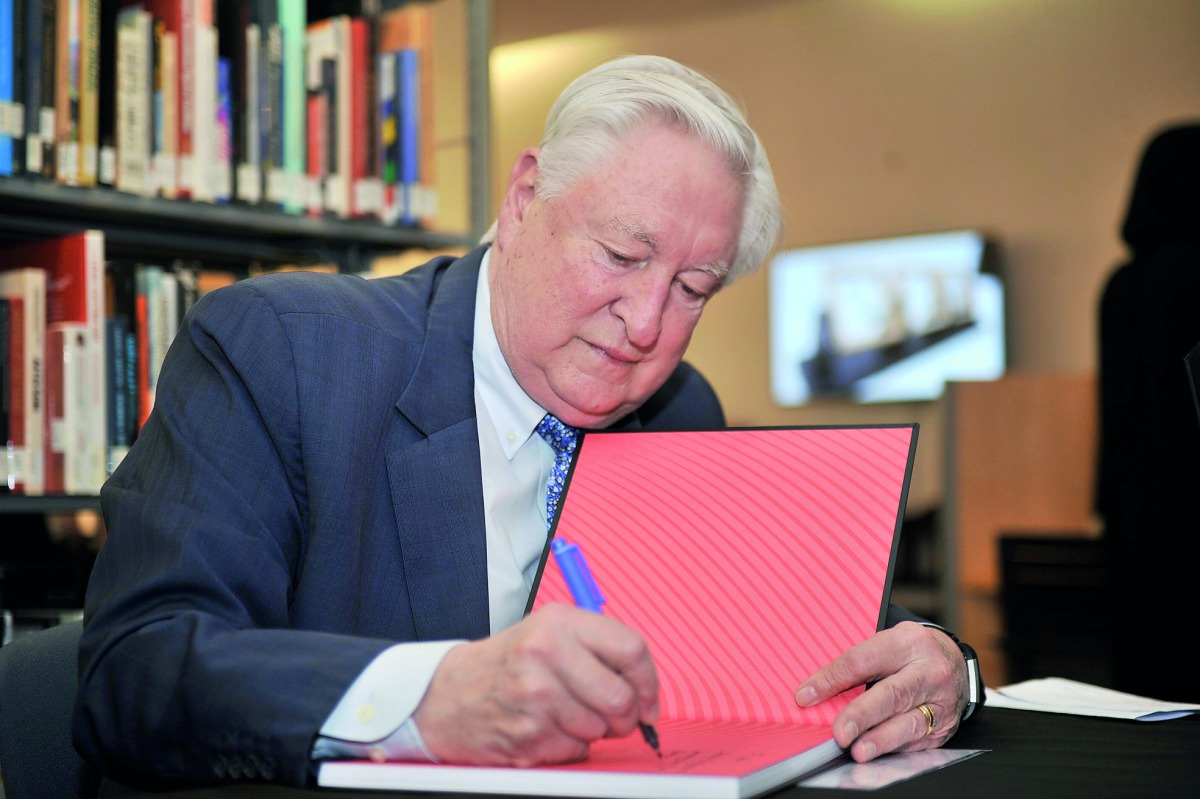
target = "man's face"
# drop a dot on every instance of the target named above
(595, 293)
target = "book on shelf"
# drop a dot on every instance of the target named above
(204, 114)
(747, 558)
(5, 394)
(75, 415)
(66, 98)
(165, 158)
(248, 93)
(12, 121)
(275, 186)
(135, 101)
(89, 92)
(24, 461)
(40, 71)
(121, 322)
(365, 196)
(293, 28)
(222, 176)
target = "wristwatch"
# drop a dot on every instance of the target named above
(975, 693)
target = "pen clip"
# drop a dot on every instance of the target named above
(577, 575)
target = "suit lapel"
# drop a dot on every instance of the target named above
(433, 466)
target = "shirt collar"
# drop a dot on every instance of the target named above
(513, 413)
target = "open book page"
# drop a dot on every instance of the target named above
(747, 558)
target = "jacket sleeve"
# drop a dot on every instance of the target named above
(188, 669)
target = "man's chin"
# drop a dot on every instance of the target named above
(590, 414)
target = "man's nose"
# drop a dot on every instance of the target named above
(642, 308)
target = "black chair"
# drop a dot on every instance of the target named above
(1055, 614)
(37, 692)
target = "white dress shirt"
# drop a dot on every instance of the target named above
(373, 719)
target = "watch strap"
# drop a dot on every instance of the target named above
(976, 697)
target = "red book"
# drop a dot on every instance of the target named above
(747, 559)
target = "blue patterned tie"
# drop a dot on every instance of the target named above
(562, 440)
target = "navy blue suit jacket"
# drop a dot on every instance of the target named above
(305, 493)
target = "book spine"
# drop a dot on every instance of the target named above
(386, 123)
(134, 106)
(6, 477)
(106, 171)
(89, 92)
(250, 177)
(345, 118)
(408, 82)
(147, 285)
(55, 428)
(66, 102)
(362, 198)
(166, 113)
(91, 357)
(204, 120)
(293, 24)
(18, 125)
(33, 86)
(116, 390)
(272, 125)
(47, 116)
(15, 450)
(164, 321)
(8, 111)
(26, 291)
(223, 178)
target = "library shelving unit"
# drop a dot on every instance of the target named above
(236, 237)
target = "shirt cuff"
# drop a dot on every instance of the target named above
(373, 719)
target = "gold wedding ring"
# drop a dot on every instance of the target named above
(930, 719)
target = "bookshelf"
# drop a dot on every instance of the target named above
(240, 237)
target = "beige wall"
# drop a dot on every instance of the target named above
(885, 117)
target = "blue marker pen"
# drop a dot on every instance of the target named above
(586, 594)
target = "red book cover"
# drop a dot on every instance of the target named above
(748, 559)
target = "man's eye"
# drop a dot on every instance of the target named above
(692, 293)
(616, 257)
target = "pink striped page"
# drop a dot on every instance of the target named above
(748, 558)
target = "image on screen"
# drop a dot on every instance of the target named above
(884, 320)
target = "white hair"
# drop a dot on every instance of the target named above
(600, 107)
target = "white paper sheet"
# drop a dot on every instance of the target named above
(1060, 695)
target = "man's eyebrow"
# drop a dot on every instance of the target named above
(634, 230)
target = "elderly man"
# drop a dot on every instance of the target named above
(323, 541)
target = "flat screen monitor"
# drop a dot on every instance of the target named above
(884, 320)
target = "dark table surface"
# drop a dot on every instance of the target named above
(1029, 755)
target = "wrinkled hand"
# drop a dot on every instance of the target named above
(539, 691)
(912, 665)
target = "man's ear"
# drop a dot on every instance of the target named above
(522, 184)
